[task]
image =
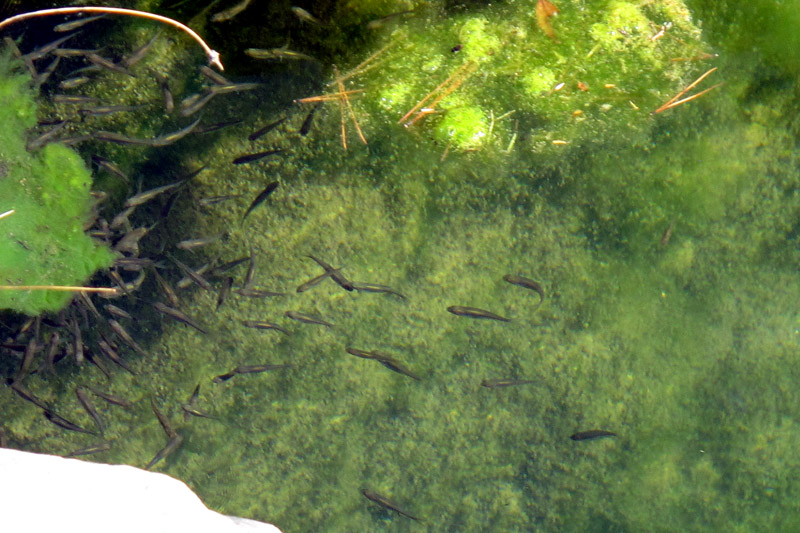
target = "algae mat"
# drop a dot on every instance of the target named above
(666, 247)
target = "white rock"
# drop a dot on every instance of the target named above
(46, 493)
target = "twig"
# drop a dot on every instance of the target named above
(326, 97)
(64, 288)
(212, 55)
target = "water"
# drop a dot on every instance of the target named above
(665, 244)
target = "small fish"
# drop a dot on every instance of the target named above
(188, 407)
(46, 49)
(118, 312)
(386, 360)
(667, 235)
(233, 88)
(173, 444)
(263, 195)
(386, 503)
(102, 62)
(99, 110)
(110, 398)
(213, 76)
(591, 434)
(227, 267)
(186, 280)
(306, 319)
(46, 137)
(52, 350)
(27, 395)
(178, 315)
(277, 53)
(169, 138)
(217, 126)
(495, 383)
(135, 264)
(111, 167)
(189, 410)
(266, 129)
(231, 12)
(46, 73)
(96, 361)
(166, 93)
(75, 24)
(129, 243)
(334, 273)
(249, 158)
(194, 103)
(166, 289)
(260, 324)
(126, 337)
(77, 342)
(109, 352)
(197, 278)
(73, 52)
(27, 359)
(138, 54)
(90, 450)
(305, 16)
(163, 420)
(73, 99)
(213, 200)
(247, 369)
(191, 244)
(374, 287)
(474, 312)
(87, 404)
(62, 422)
(306, 126)
(72, 83)
(527, 283)
(224, 291)
(251, 269)
(223, 377)
(313, 282)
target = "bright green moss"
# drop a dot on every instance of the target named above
(465, 128)
(478, 42)
(43, 242)
(538, 82)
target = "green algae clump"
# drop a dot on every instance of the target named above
(42, 242)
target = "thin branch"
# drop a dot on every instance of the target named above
(212, 55)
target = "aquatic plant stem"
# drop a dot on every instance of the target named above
(212, 55)
(65, 288)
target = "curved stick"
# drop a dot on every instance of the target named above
(212, 55)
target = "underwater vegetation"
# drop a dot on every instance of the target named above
(42, 242)
(665, 246)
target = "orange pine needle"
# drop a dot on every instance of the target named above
(454, 81)
(672, 101)
(326, 97)
(340, 86)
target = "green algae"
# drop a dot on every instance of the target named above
(43, 242)
(685, 348)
